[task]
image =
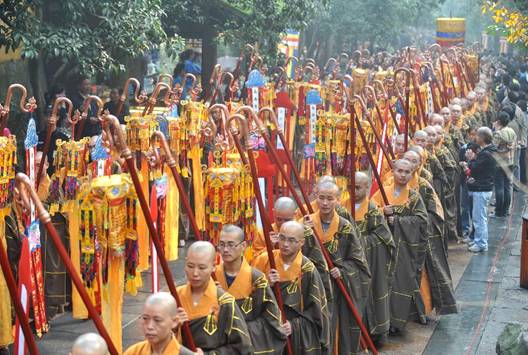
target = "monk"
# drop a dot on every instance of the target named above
(305, 304)
(379, 249)
(407, 217)
(251, 291)
(89, 344)
(437, 273)
(284, 211)
(422, 171)
(341, 211)
(341, 240)
(399, 146)
(435, 146)
(432, 164)
(455, 125)
(158, 319)
(439, 120)
(217, 324)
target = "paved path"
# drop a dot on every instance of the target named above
(487, 293)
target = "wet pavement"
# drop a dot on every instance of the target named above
(487, 292)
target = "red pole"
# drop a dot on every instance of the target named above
(389, 105)
(407, 100)
(46, 220)
(179, 184)
(353, 162)
(19, 309)
(265, 221)
(129, 159)
(124, 94)
(47, 142)
(327, 257)
(378, 111)
(418, 97)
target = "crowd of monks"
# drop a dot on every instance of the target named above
(391, 256)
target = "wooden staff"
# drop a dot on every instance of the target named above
(214, 83)
(139, 99)
(164, 78)
(17, 303)
(353, 162)
(407, 74)
(111, 121)
(84, 110)
(378, 84)
(450, 73)
(389, 154)
(418, 97)
(179, 183)
(26, 187)
(24, 107)
(266, 223)
(428, 66)
(153, 99)
(369, 156)
(51, 124)
(339, 281)
(370, 90)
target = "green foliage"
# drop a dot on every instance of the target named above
(92, 36)
(242, 21)
(381, 22)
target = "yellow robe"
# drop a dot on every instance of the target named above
(143, 348)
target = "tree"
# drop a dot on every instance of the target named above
(237, 21)
(383, 23)
(510, 18)
(65, 38)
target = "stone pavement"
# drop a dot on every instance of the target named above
(487, 291)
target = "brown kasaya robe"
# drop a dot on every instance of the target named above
(305, 303)
(255, 299)
(217, 324)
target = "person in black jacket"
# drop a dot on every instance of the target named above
(466, 203)
(481, 167)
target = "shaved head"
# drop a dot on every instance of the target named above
(361, 177)
(420, 134)
(436, 119)
(414, 158)
(294, 228)
(89, 344)
(285, 203)
(402, 171)
(203, 250)
(234, 230)
(163, 299)
(328, 185)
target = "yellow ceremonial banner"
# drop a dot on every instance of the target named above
(6, 330)
(172, 212)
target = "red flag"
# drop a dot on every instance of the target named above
(24, 293)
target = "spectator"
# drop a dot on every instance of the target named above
(92, 127)
(465, 200)
(505, 141)
(481, 170)
(113, 105)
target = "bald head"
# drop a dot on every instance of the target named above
(164, 300)
(436, 119)
(328, 185)
(285, 203)
(89, 344)
(362, 183)
(293, 228)
(414, 158)
(236, 231)
(399, 145)
(420, 134)
(202, 250)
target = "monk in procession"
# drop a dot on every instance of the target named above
(399, 146)
(89, 344)
(252, 292)
(407, 217)
(284, 211)
(434, 146)
(433, 165)
(341, 240)
(217, 324)
(158, 319)
(379, 249)
(305, 305)
(439, 288)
